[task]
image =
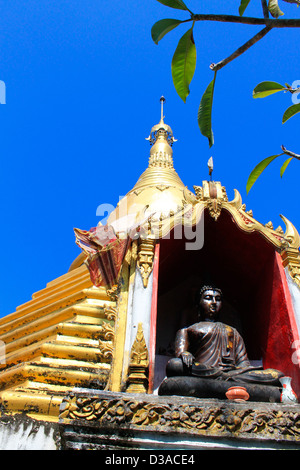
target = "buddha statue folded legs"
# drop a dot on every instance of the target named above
(211, 357)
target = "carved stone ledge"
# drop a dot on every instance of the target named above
(108, 414)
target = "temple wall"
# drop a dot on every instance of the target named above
(22, 433)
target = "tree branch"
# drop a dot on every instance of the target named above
(272, 23)
(265, 9)
(289, 153)
(241, 49)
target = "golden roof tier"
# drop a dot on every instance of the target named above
(60, 339)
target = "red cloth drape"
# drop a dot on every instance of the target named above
(105, 251)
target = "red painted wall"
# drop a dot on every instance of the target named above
(281, 332)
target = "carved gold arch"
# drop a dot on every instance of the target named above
(212, 195)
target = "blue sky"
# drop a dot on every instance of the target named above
(83, 81)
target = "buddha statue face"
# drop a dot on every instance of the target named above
(210, 304)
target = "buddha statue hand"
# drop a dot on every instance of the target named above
(187, 358)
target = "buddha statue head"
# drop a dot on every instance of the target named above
(209, 303)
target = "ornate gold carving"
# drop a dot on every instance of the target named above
(279, 230)
(139, 352)
(291, 234)
(113, 293)
(278, 423)
(162, 158)
(107, 331)
(106, 351)
(225, 197)
(138, 191)
(290, 253)
(245, 219)
(162, 187)
(213, 195)
(236, 201)
(145, 259)
(110, 312)
(198, 191)
(214, 208)
(139, 363)
(291, 259)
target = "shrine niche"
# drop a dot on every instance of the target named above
(256, 298)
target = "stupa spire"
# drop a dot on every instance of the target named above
(162, 100)
(160, 172)
(161, 139)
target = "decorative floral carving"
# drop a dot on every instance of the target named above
(214, 208)
(145, 259)
(198, 191)
(113, 293)
(110, 312)
(139, 351)
(107, 331)
(197, 419)
(107, 334)
(106, 351)
(139, 362)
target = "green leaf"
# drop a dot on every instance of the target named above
(256, 172)
(284, 166)
(274, 8)
(178, 4)
(204, 112)
(162, 27)
(243, 6)
(184, 64)
(291, 111)
(267, 88)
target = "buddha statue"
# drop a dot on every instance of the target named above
(211, 357)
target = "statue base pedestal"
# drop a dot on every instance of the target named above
(209, 388)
